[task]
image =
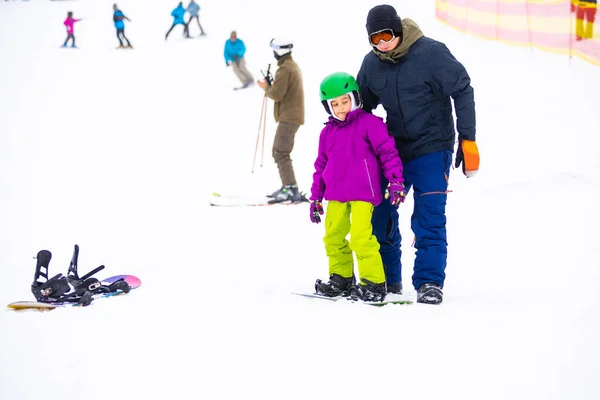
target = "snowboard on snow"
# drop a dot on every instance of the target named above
(389, 299)
(221, 200)
(133, 281)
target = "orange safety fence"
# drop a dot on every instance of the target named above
(560, 26)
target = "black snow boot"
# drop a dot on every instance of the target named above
(430, 293)
(395, 288)
(368, 291)
(337, 286)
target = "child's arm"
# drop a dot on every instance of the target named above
(318, 187)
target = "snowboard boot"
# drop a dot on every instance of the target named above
(368, 291)
(395, 288)
(430, 293)
(288, 194)
(337, 286)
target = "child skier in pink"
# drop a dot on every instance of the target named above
(354, 149)
(69, 23)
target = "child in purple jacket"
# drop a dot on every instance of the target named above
(354, 148)
(69, 23)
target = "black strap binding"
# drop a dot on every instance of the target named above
(57, 289)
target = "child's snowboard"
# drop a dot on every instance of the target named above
(390, 299)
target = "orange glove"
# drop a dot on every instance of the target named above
(467, 155)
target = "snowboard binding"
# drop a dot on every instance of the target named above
(48, 290)
(58, 288)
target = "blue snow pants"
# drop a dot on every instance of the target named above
(427, 176)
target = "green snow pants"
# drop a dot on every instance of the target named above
(352, 217)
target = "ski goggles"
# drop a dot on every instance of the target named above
(385, 36)
(280, 47)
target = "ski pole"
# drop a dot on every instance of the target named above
(263, 120)
(262, 152)
(260, 122)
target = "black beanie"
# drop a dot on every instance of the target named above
(383, 17)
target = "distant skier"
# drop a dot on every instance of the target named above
(287, 91)
(69, 23)
(234, 52)
(118, 18)
(177, 15)
(193, 9)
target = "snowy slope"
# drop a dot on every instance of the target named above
(118, 151)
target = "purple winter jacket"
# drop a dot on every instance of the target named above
(352, 154)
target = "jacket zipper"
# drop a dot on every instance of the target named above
(369, 176)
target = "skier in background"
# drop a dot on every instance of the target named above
(70, 24)
(234, 52)
(287, 90)
(118, 18)
(355, 150)
(193, 8)
(177, 15)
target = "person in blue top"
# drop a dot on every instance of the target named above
(118, 18)
(193, 8)
(234, 57)
(177, 15)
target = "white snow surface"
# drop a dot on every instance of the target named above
(118, 151)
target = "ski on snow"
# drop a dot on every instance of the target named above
(220, 200)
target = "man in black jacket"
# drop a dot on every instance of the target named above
(414, 78)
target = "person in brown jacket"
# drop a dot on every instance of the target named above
(287, 91)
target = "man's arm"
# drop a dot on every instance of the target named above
(279, 88)
(453, 80)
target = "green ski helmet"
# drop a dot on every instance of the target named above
(338, 84)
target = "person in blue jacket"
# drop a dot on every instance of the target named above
(414, 78)
(177, 15)
(234, 56)
(193, 9)
(118, 18)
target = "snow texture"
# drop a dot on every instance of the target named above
(119, 151)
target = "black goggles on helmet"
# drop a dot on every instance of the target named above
(279, 47)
